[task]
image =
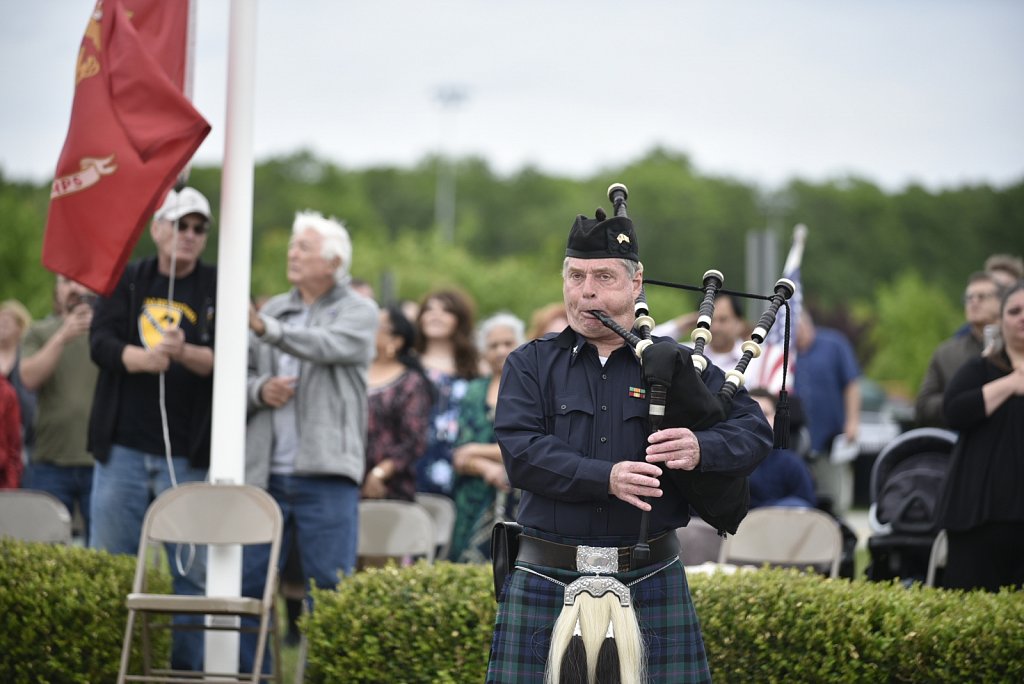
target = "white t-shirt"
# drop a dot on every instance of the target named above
(727, 361)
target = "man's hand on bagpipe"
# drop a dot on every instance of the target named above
(634, 481)
(677, 448)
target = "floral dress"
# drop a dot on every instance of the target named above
(434, 469)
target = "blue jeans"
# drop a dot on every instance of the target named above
(122, 490)
(67, 483)
(321, 515)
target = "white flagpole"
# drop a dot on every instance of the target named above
(190, 50)
(796, 250)
(227, 452)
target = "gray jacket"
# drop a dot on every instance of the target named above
(334, 348)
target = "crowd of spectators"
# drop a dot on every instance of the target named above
(350, 398)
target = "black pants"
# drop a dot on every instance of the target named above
(988, 557)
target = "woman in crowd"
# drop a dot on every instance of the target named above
(550, 318)
(445, 345)
(400, 397)
(983, 509)
(481, 492)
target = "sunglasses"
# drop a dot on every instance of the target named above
(197, 227)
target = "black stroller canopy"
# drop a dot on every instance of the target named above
(909, 473)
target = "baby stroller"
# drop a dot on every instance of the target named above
(907, 480)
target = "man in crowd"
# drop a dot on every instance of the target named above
(729, 330)
(828, 385)
(572, 425)
(309, 353)
(56, 366)
(152, 339)
(1007, 269)
(981, 309)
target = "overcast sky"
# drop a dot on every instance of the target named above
(928, 91)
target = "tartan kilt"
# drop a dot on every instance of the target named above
(530, 605)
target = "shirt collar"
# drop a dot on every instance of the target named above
(572, 340)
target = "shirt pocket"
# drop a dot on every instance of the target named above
(635, 412)
(635, 427)
(572, 419)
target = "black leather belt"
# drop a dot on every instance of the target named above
(563, 556)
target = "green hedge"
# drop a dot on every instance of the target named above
(786, 626)
(418, 624)
(433, 624)
(62, 613)
(62, 619)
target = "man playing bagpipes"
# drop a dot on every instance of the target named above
(586, 601)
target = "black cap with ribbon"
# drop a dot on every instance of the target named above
(602, 238)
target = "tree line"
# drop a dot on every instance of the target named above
(886, 267)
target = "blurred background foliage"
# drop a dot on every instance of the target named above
(885, 267)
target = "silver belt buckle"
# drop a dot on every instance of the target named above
(600, 560)
(597, 587)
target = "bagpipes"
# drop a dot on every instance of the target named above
(679, 398)
(596, 637)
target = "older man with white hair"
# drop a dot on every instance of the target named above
(309, 352)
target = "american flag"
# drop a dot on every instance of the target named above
(771, 360)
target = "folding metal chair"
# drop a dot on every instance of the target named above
(35, 516)
(788, 537)
(205, 514)
(442, 510)
(395, 529)
(699, 542)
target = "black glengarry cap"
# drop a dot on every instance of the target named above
(602, 238)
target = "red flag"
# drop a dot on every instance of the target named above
(131, 133)
(163, 26)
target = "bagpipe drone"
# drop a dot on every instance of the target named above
(679, 398)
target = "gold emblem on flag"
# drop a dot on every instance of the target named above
(155, 320)
(88, 65)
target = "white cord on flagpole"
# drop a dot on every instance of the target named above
(163, 386)
(183, 567)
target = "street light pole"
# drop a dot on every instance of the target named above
(450, 97)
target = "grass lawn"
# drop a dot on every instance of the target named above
(289, 654)
(289, 663)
